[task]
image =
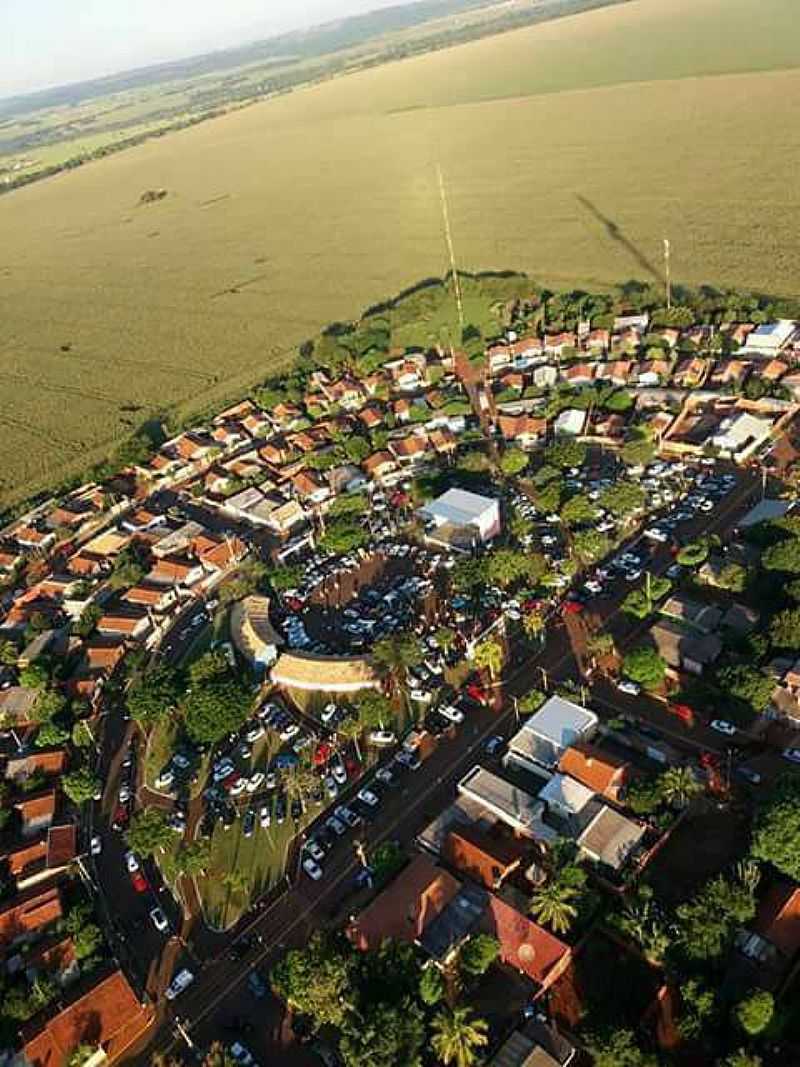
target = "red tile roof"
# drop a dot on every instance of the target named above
(778, 918)
(34, 912)
(523, 945)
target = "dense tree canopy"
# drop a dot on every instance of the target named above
(218, 702)
(776, 834)
(149, 832)
(645, 666)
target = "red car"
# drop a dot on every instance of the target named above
(572, 607)
(477, 693)
(139, 882)
(121, 817)
(683, 712)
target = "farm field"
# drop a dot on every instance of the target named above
(569, 148)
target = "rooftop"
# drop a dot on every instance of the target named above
(506, 801)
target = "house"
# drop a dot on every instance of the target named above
(730, 372)
(283, 518)
(567, 802)
(36, 811)
(579, 374)
(571, 422)
(704, 618)
(598, 770)
(545, 377)
(132, 623)
(17, 704)
(157, 598)
(558, 344)
(541, 742)
(27, 915)
(537, 1044)
(309, 487)
(773, 371)
(175, 570)
(770, 338)
(682, 650)
(690, 373)
(19, 769)
(767, 951)
(628, 322)
(108, 1017)
(371, 417)
(524, 430)
(740, 435)
(610, 838)
(487, 858)
(507, 803)
(499, 357)
(380, 465)
(409, 450)
(598, 341)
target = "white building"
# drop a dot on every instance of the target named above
(460, 512)
(546, 736)
(770, 338)
(742, 435)
(570, 422)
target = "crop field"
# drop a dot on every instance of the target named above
(569, 150)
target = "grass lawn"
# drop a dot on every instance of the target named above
(241, 868)
(160, 746)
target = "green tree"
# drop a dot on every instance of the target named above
(218, 703)
(193, 858)
(478, 953)
(746, 684)
(513, 462)
(578, 510)
(565, 452)
(531, 702)
(35, 675)
(81, 785)
(733, 577)
(644, 795)
(784, 556)
(699, 1004)
(49, 705)
(431, 986)
(554, 904)
(742, 1058)
(343, 535)
(251, 577)
(754, 1012)
(645, 666)
(154, 695)
(51, 734)
(8, 654)
(352, 729)
(618, 1048)
(316, 980)
(638, 452)
(384, 1035)
(149, 832)
(678, 785)
(588, 546)
(128, 569)
(287, 576)
(394, 656)
(784, 630)
(488, 656)
(372, 709)
(623, 498)
(693, 554)
(708, 922)
(457, 1037)
(776, 833)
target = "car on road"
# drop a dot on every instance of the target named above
(347, 816)
(159, 919)
(257, 985)
(131, 862)
(409, 759)
(748, 775)
(792, 754)
(366, 796)
(331, 788)
(384, 775)
(249, 823)
(339, 772)
(633, 689)
(315, 851)
(223, 769)
(335, 824)
(264, 817)
(96, 845)
(242, 1055)
(312, 869)
(182, 980)
(254, 781)
(296, 809)
(139, 882)
(451, 713)
(494, 746)
(722, 726)
(124, 793)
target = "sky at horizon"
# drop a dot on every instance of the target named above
(49, 43)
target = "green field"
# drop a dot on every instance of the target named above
(569, 148)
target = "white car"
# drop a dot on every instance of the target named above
(631, 688)
(242, 1055)
(254, 781)
(656, 534)
(723, 727)
(339, 772)
(238, 787)
(312, 869)
(131, 862)
(289, 731)
(96, 845)
(366, 796)
(182, 980)
(264, 817)
(382, 737)
(255, 731)
(452, 714)
(331, 788)
(159, 919)
(792, 754)
(422, 696)
(329, 714)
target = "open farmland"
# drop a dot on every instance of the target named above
(569, 148)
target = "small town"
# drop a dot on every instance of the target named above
(426, 705)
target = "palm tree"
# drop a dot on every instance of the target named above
(488, 655)
(457, 1036)
(351, 729)
(299, 783)
(679, 785)
(393, 656)
(533, 624)
(552, 905)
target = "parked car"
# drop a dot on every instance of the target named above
(792, 754)
(494, 746)
(381, 738)
(723, 727)
(627, 686)
(159, 919)
(312, 869)
(366, 796)
(182, 980)
(131, 862)
(339, 772)
(249, 823)
(264, 816)
(96, 845)
(451, 713)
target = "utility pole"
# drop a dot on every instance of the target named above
(450, 250)
(667, 278)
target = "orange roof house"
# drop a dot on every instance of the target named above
(597, 770)
(21, 767)
(28, 915)
(524, 945)
(109, 1016)
(774, 370)
(36, 812)
(778, 918)
(402, 911)
(484, 857)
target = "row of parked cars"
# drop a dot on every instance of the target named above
(702, 492)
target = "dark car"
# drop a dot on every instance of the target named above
(228, 817)
(280, 809)
(249, 824)
(297, 809)
(257, 985)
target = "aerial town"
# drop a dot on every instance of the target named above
(427, 705)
